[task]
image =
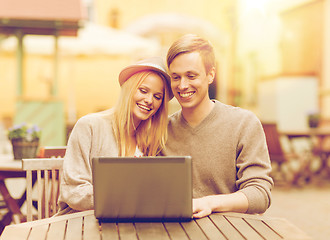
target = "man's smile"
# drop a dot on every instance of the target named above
(186, 94)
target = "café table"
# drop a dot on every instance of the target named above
(10, 168)
(320, 133)
(316, 138)
(84, 226)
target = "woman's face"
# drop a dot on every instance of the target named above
(148, 98)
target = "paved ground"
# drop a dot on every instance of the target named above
(306, 207)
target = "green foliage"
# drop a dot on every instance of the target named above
(24, 131)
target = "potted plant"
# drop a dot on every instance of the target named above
(25, 140)
(313, 119)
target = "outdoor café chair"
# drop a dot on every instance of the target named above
(48, 172)
(289, 168)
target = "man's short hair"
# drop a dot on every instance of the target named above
(192, 43)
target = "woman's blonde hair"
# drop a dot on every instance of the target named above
(151, 134)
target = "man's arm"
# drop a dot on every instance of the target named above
(233, 202)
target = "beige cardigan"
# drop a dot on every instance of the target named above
(91, 136)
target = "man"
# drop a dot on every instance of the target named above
(231, 164)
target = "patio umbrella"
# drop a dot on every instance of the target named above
(154, 24)
(91, 39)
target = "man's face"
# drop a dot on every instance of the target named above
(189, 81)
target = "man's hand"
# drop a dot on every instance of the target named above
(232, 202)
(201, 207)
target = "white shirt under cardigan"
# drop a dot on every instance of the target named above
(229, 154)
(92, 136)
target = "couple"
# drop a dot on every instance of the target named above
(231, 164)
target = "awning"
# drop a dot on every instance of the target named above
(41, 17)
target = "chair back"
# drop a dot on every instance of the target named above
(52, 151)
(48, 171)
(275, 149)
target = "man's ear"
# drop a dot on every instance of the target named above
(211, 75)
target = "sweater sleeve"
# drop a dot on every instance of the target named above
(76, 186)
(253, 165)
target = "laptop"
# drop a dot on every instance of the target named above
(142, 189)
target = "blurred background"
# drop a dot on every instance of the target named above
(60, 60)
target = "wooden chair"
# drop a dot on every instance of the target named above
(48, 172)
(288, 167)
(52, 151)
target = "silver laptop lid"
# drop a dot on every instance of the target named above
(145, 188)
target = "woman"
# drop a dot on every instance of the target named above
(136, 126)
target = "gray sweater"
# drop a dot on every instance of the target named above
(229, 154)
